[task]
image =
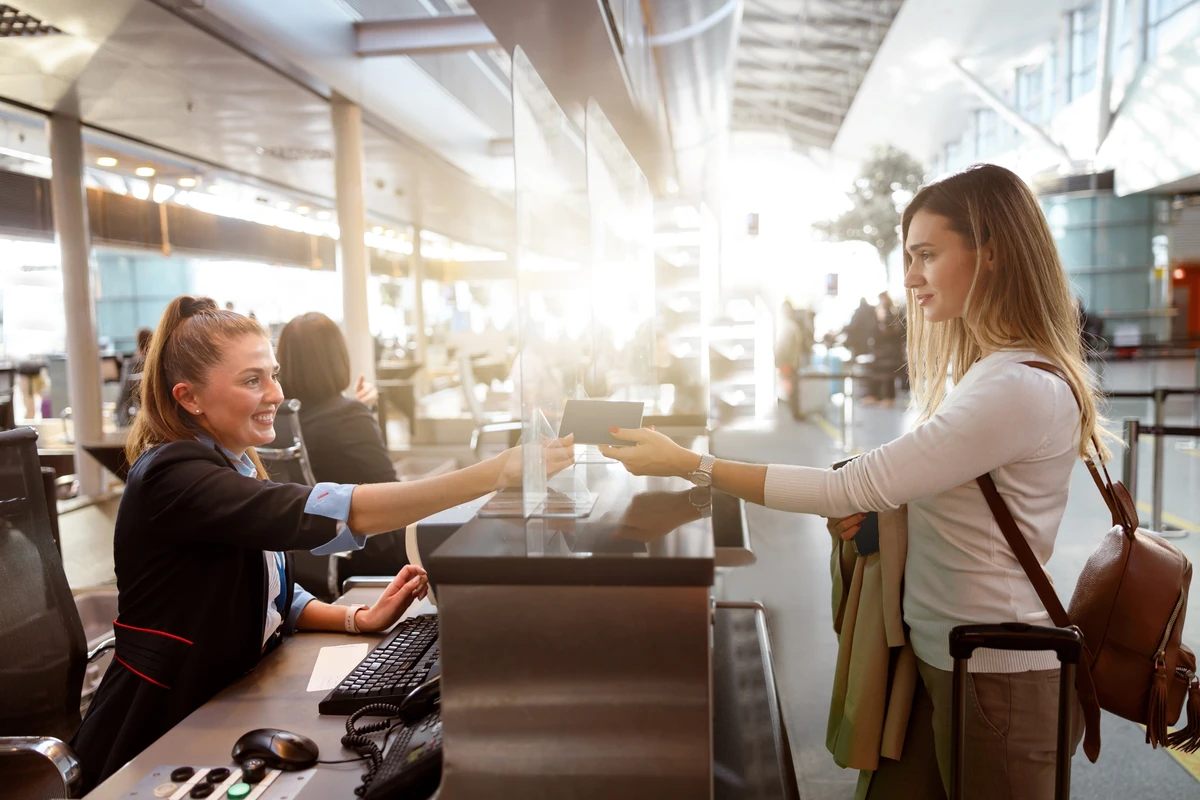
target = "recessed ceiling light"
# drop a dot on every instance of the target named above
(377, 230)
(302, 209)
(106, 161)
(144, 172)
(283, 205)
(187, 183)
(324, 215)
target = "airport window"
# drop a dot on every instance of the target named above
(1085, 41)
(1031, 91)
(1169, 23)
(987, 133)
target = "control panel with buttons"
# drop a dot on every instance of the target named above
(251, 781)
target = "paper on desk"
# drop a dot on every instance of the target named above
(335, 663)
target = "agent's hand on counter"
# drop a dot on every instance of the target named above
(557, 456)
(365, 392)
(410, 584)
(653, 454)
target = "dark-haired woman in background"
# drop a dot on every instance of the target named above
(201, 541)
(343, 439)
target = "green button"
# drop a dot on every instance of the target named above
(238, 791)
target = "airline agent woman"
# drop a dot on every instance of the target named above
(201, 537)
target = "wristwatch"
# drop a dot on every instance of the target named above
(703, 474)
(351, 622)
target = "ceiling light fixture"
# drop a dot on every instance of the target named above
(324, 215)
(283, 205)
(377, 230)
(106, 161)
(302, 209)
(144, 172)
(187, 183)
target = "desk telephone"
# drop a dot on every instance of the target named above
(411, 769)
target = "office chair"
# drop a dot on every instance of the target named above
(286, 460)
(483, 423)
(41, 636)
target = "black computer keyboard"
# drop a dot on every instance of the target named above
(400, 663)
(412, 766)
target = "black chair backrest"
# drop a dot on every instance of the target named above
(41, 636)
(286, 458)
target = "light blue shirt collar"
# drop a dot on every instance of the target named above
(243, 465)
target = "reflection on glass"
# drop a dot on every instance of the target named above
(622, 364)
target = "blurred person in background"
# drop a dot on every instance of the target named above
(131, 376)
(793, 351)
(887, 347)
(32, 375)
(861, 329)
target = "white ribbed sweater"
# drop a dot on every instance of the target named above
(1019, 423)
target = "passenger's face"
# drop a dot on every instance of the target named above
(942, 268)
(238, 402)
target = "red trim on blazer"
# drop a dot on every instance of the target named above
(151, 630)
(140, 675)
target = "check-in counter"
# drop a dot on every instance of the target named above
(577, 654)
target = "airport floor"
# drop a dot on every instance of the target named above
(791, 578)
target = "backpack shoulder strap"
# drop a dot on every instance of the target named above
(1103, 485)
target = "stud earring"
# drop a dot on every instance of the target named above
(197, 411)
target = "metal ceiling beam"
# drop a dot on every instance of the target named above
(854, 10)
(801, 98)
(768, 16)
(822, 59)
(418, 36)
(805, 34)
(794, 78)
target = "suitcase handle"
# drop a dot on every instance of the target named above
(1067, 643)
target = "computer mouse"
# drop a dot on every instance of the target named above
(279, 749)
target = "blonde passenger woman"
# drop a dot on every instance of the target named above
(986, 291)
(202, 539)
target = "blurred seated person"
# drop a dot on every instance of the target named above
(131, 379)
(342, 436)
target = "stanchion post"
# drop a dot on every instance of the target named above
(1156, 488)
(1196, 397)
(1130, 470)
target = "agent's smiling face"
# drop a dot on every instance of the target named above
(238, 400)
(943, 266)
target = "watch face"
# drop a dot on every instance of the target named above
(701, 478)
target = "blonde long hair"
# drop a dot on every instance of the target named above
(1024, 301)
(188, 343)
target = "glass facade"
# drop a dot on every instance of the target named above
(1106, 246)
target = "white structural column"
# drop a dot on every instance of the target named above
(418, 277)
(352, 224)
(74, 246)
(1104, 72)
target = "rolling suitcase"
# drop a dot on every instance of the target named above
(1067, 643)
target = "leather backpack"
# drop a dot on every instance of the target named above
(1129, 604)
